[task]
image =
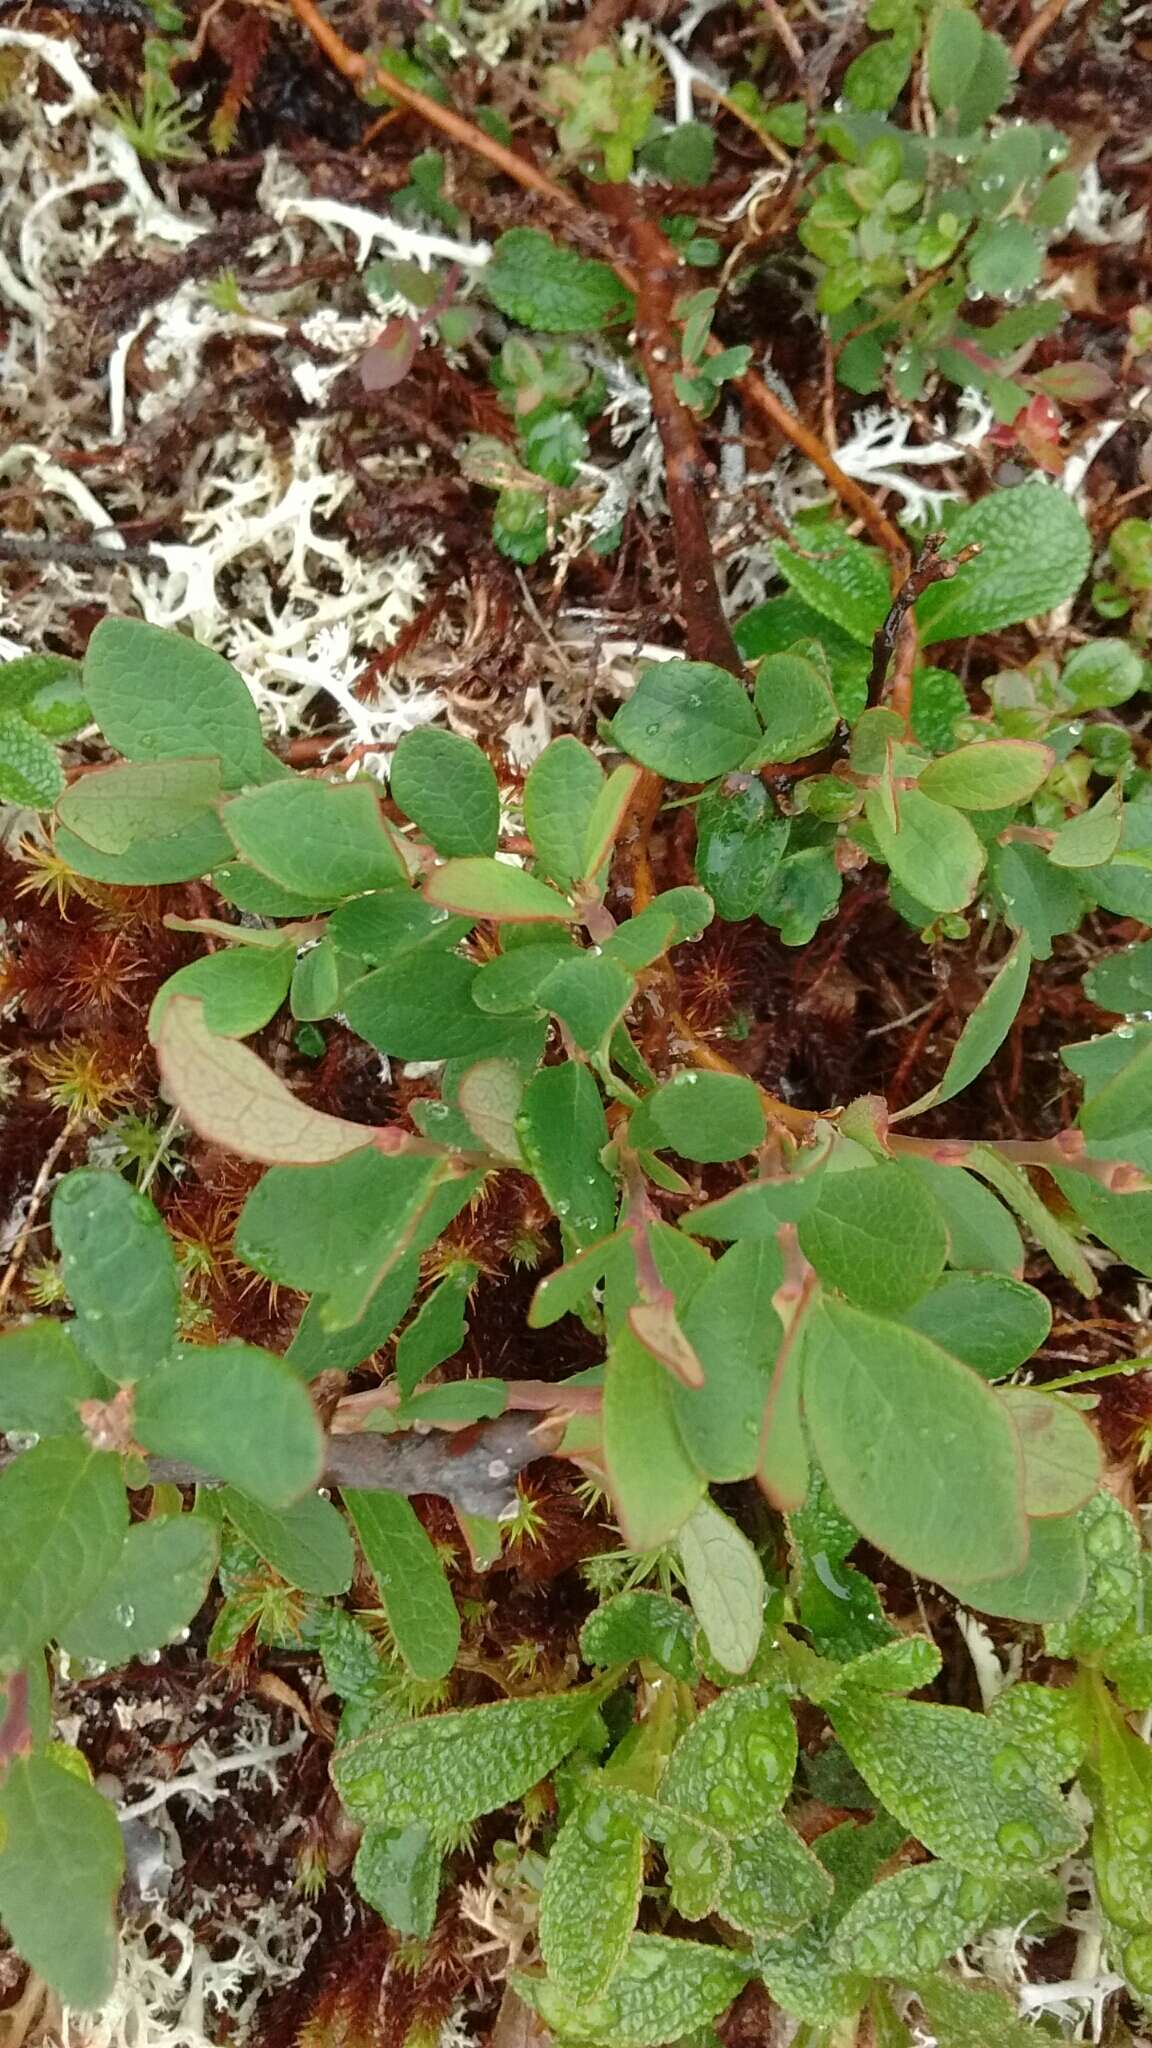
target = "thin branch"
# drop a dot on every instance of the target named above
(1044, 19)
(475, 1468)
(687, 470)
(78, 554)
(39, 1189)
(898, 633)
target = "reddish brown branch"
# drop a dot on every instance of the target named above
(898, 633)
(687, 471)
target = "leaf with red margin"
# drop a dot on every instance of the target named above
(230, 1097)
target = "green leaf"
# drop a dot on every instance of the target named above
(589, 994)
(237, 1413)
(938, 1483)
(964, 2015)
(775, 1883)
(326, 839)
(1061, 1454)
(608, 815)
(1035, 553)
(981, 1232)
(671, 917)
(341, 1229)
(1038, 899)
(984, 1030)
(775, 627)
(420, 1007)
(241, 988)
(397, 1872)
(915, 1920)
(458, 1401)
(1123, 1817)
(63, 1514)
(987, 1320)
(114, 808)
(175, 857)
(315, 1348)
(740, 841)
(245, 887)
(30, 771)
(414, 1591)
(43, 1379)
(1102, 674)
(437, 1330)
(938, 700)
(734, 1766)
(490, 888)
(1129, 1666)
(536, 282)
(734, 1330)
(844, 581)
(839, 1608)
(229, 1096)
(60, 1869)
(1122, 982)
(683, 155)
(461, 1765)
(1122, 1222)
(1013, 1184)
(795, 705)
(797, 1969)
(655, 1485)
(876, 1235)
(972, 1798)
(641, 1625)
(1048, 1587)
(952, 56)
(663, 1990)
(1114, 1591)
(307, 1543)
(31, 676)
(802, 894)
(563, 1130)
(687, 720)
(702, 1116)
(158, 1586)
(560, 796)
(510, 984)
(379, 927)
(1006, 257)
(590, 1896)
(1121, 1109)
(157, 696)
(448, 787)
(988, 774)
(725, 1583)
(933, 850)
(315, 982)
(757, 1210)
(875, 79)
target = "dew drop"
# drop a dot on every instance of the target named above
(1019, 1841)
(1011, 1768)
